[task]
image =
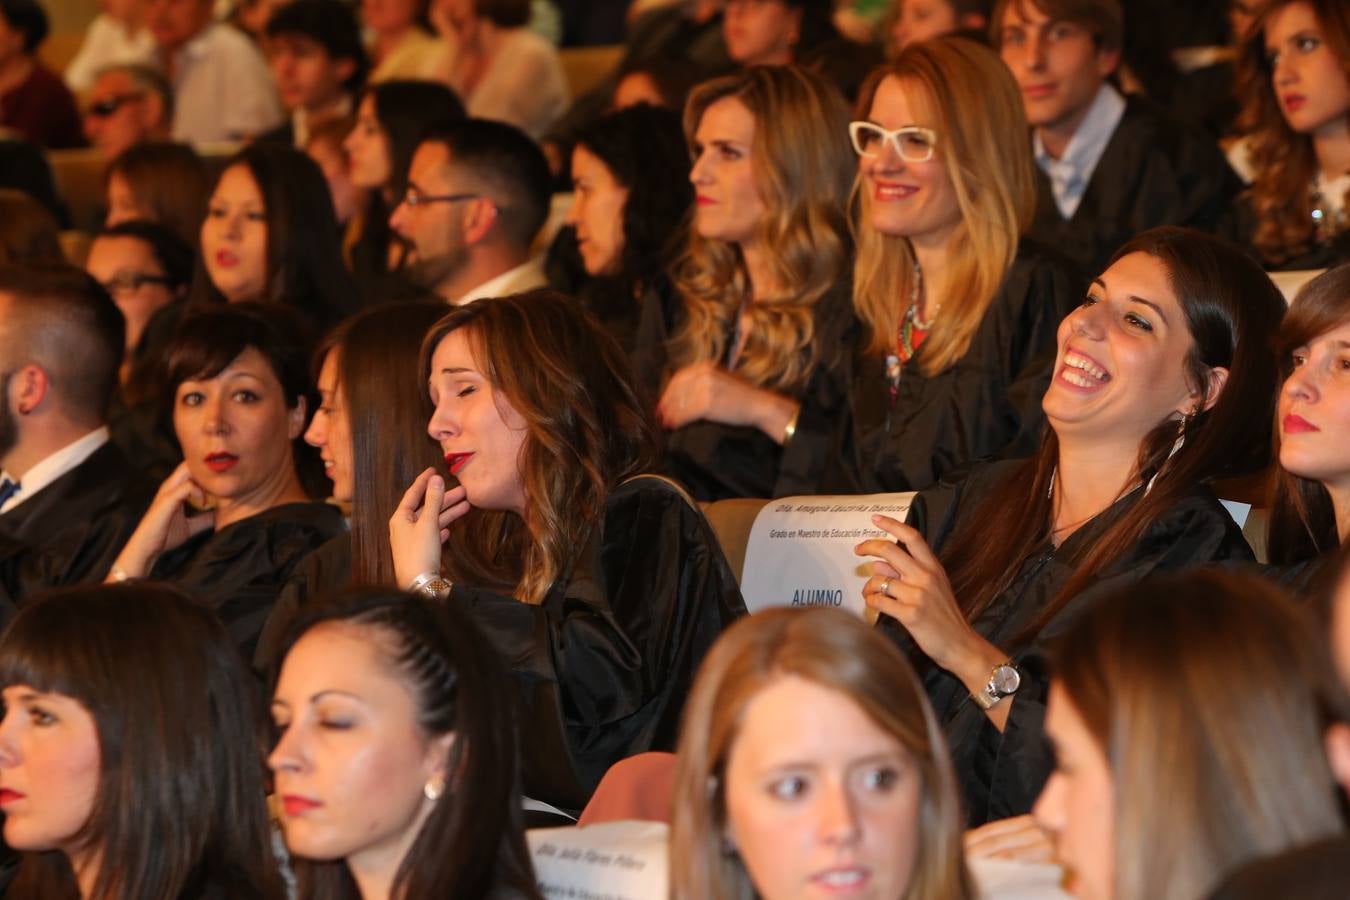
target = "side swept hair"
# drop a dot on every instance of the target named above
(971, 100)
(802, 166)
(1105, 19)
(472, 845)
(1302, 517)
(180, 800)
(62, 319)
(838, 651)
(588, 427)
(508, 165)
(1208, 697)
(168, 181)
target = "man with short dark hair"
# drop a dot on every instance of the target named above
(478, 193)
(128, 104)
(222, 88)
(1108, 166)
(319, 63)
(69, 498)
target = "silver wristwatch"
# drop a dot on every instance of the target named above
(1004, 680)
(431, 585)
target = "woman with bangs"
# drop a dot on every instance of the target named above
(609, 585)
(959, 311)
(1310, 508)
(754, 379)
(130, 752)
(810, 762)
(1294, 72)
(1163, 383)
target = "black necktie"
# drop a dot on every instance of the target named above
(8, 489)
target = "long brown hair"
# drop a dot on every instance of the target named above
(838, 651)
(169, 182)
(1284, 160)
(972, 101)
(376, 362)
(587, 427)
(802, 166)
(1302, 518)
(1207, 695)
(1231, 308)
(180, 798)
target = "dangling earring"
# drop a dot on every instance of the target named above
(1176, 445)
(434, 787)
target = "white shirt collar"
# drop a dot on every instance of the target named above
(528, 273)
(1070, 174)
(54, 466)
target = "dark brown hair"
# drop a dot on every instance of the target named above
(169, 182)
(384, 395)
(1284, 160)
(28, 230)
(1223, 672)
(180, 801)
(472, 845)
(504, 13)
(1302, 518)
(1103, 18)
(1231, 309)
(588, 428)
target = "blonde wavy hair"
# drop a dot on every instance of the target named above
(965, 93)
(1283, 159)
(835, 650)
(803, 167)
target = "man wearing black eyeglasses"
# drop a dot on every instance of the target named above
(127, 105)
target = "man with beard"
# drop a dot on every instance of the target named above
(478, 193)
(69, 499)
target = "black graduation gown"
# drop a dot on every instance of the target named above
(1319, 871)
(603, 666)
(239, 570)
(987, 404)
(320, 575)
(716, 461)
(72, 529)
(1154, 171)
(1001, 774)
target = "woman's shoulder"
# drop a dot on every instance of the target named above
(1196, 528)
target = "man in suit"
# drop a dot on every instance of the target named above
(478, 193)
(69, 499)
(319, 63)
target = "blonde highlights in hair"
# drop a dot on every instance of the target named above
(838, 651)
(802, 166)
(968, 96)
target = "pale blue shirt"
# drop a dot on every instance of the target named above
(1069, 175)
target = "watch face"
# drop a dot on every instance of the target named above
(1006, 680)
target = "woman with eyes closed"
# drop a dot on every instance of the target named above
(396, 762)
(1310, 509)
(959, 312)
(1294, 72)
(270, 236)
(240, 393)
(751, 386)
(609, 585)
(130, 764)
(811, 765)
(1163, 382)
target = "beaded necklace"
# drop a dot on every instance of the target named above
(908, 336)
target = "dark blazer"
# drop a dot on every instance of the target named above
(1154, 171)
(72, 529)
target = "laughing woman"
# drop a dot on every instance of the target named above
(615, 584)
(1162, 382)
(240, 395)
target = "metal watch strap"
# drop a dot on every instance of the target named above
(431, 584)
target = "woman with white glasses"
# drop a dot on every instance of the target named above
(959, 311)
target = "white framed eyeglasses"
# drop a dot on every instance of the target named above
(913, 143)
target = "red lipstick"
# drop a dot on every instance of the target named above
(226, 258)
(705, 201)
(221, 462)
(297, 806)
(458, 460)
(9, 795)
(1293, 424)
(1294, 102)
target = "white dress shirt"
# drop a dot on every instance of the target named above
(53, 467)
(1070, 174)
(524, 277)
(223, 89)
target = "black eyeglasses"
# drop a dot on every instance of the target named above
(133, 281)
(109, 105)
(415, 198)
